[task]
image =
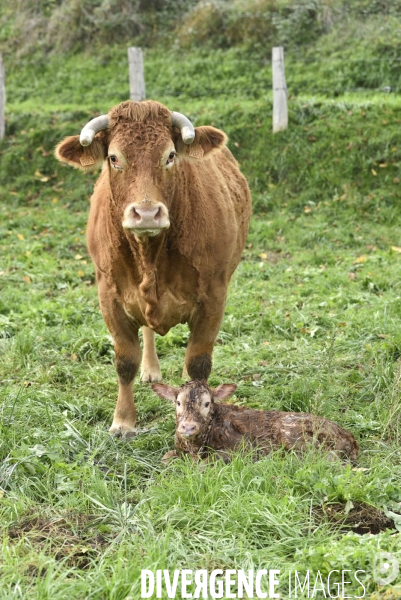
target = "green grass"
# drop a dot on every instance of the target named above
(312, 324)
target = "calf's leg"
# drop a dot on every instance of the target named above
(150, 368)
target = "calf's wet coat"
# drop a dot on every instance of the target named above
(204, 426)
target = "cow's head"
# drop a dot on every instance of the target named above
(141, 146)
(194, 404)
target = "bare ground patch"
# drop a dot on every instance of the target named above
(360, 518)
(71, 538)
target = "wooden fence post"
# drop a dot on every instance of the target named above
(280, 110)
(136, 76)
(2, 98)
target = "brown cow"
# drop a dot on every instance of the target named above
(203, 425)
(168, 221)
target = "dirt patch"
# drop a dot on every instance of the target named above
(270, 256)
(358, 517)
(273, 257)
(70, 538)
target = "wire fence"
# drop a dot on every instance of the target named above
(357, 75)
(223, 75)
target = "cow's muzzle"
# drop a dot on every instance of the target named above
(146, 218)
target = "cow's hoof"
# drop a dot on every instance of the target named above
(151, 376)
(122, 431)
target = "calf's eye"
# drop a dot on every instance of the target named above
(178, 403)
(207, 404)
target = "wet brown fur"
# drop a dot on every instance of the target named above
(228, 428)
(182, 274)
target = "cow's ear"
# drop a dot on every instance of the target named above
(225, 390)
(86, 158)
(207, 139)
(165, 391)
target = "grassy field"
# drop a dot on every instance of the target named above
(312, 324)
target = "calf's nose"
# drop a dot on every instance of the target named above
(188, 428)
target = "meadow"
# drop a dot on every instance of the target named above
(312, 324)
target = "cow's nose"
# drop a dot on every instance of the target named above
(146, 216)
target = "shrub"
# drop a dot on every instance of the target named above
(70, 25)
(257, 22)
(81, 23)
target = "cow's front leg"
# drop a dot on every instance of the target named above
(204, 329)
(127, 360)
(150, 368)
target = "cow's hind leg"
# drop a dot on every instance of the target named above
(150, 368)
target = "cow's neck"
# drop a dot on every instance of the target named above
(148, 253)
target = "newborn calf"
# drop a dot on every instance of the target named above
(203, 425)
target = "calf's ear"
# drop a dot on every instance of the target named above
(225, 390)
(165, 391)
(207, 139)
(86, 158)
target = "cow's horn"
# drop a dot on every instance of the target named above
(92, 128)
(185, 125)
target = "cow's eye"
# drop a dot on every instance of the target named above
(207, 404)
(114, 161)
(178, 403)
(171, 158)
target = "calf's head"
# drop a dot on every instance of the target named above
(140, 146)
(194, 404)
